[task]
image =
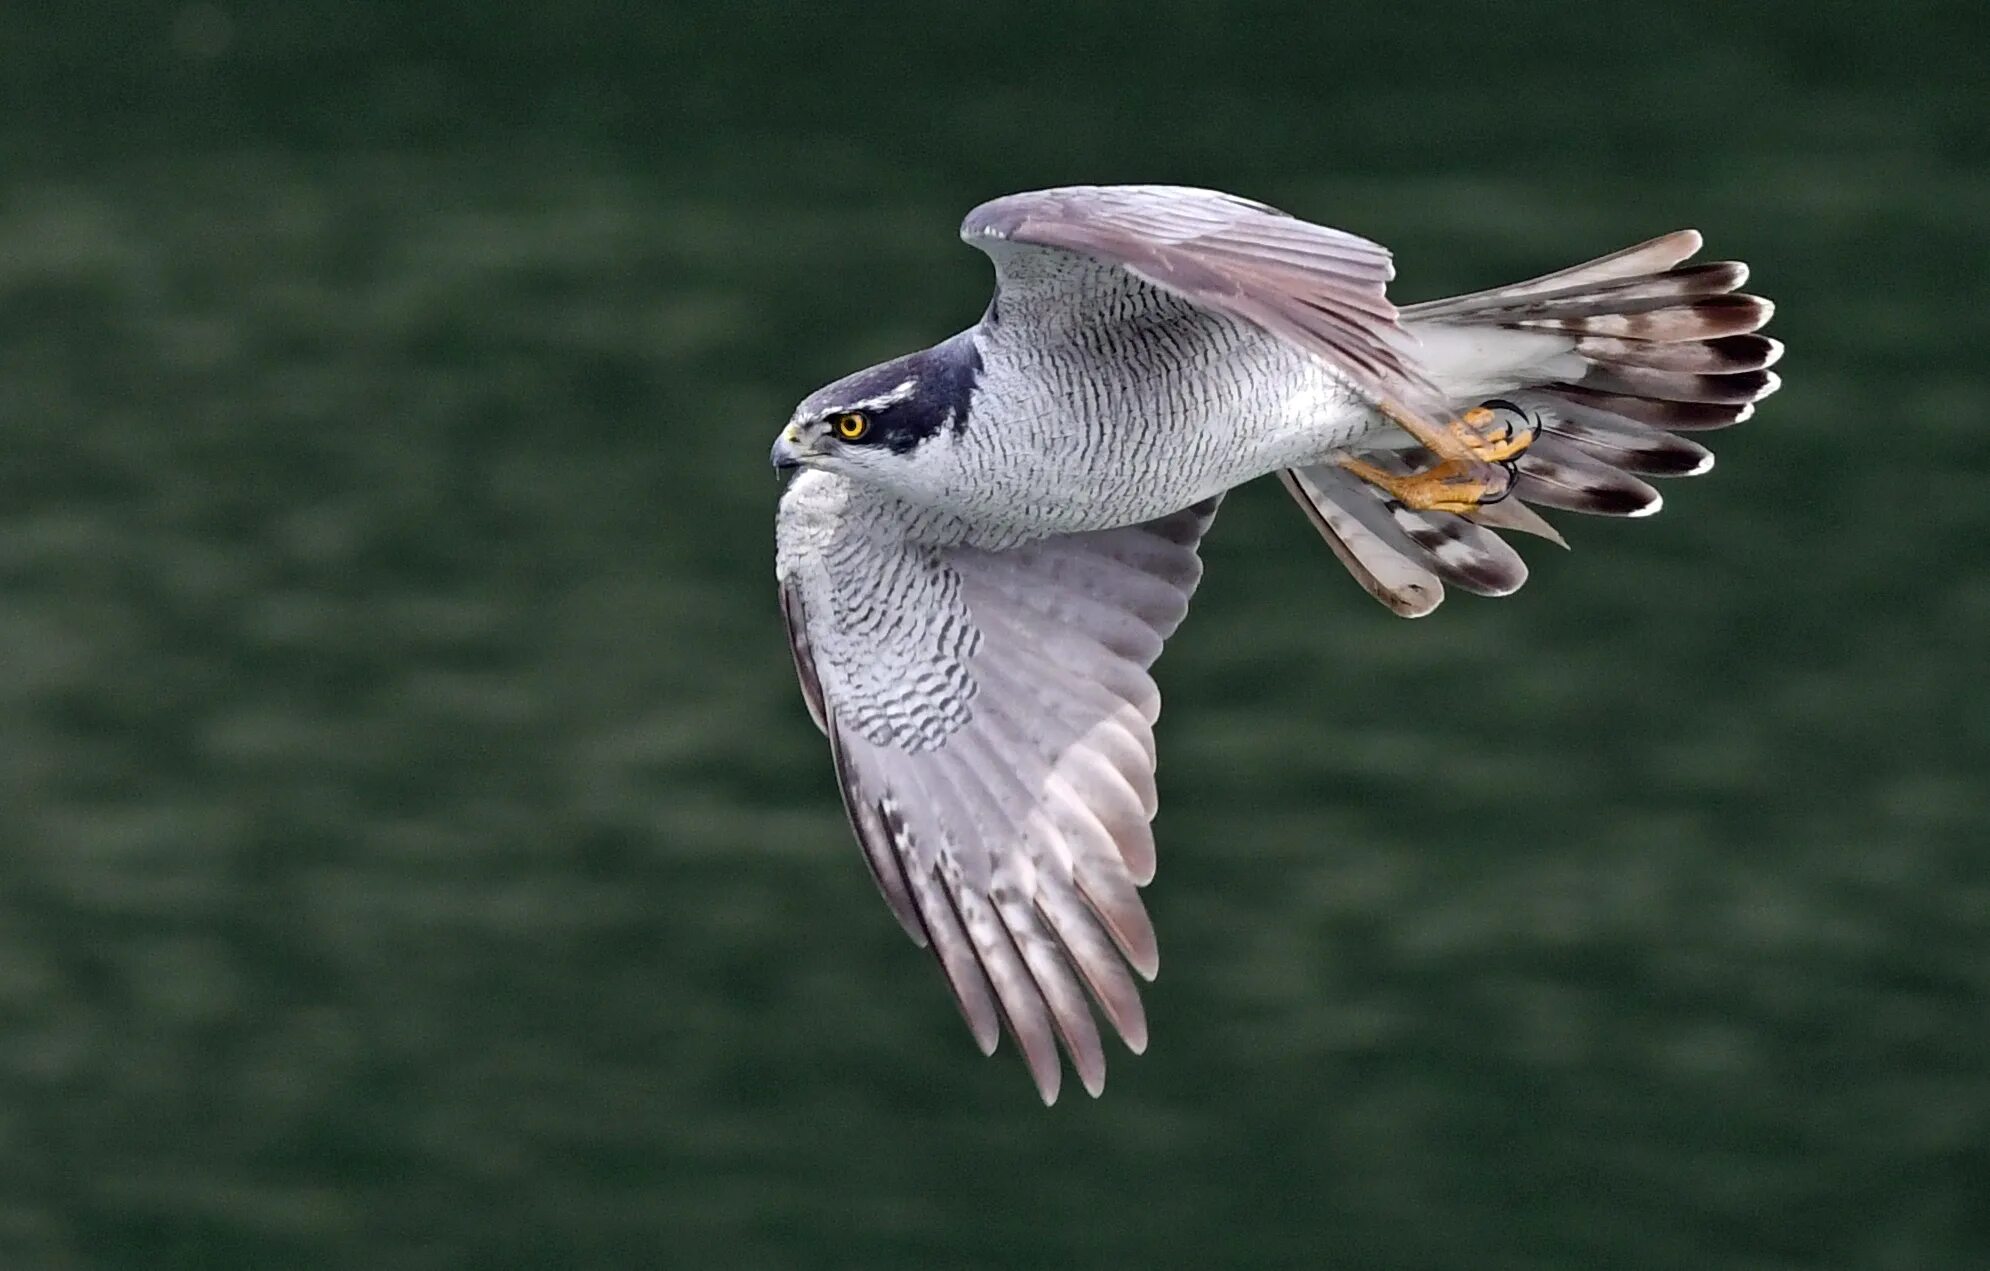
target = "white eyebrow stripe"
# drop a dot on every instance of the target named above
(883, 400)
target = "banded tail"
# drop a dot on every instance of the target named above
(1609, 361)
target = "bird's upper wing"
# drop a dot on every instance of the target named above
(1319, 288)
(990, 716)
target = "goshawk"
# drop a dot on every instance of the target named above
(992, 537)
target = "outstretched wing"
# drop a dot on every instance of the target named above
(990, 716)
(1086, 253)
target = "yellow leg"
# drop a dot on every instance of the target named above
(1478, 434)
(1449, 485)
(1470, 450)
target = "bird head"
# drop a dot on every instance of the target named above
(887, 425)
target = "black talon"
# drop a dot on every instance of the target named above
(1512, 480)
(1534, 426)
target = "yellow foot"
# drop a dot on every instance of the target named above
(1481, 433)
(1450, 485)
(1475, 454)
(1492, 436)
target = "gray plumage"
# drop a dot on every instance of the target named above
(997, 534)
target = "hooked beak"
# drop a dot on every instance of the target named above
(789, 450)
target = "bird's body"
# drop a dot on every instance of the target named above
(1126, 421)
(1001, 530)
(1108, 434)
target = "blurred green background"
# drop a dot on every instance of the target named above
(413, 851)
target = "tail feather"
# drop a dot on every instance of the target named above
(1635, 448)
(1565, 399)
(1703, 319)
(1645, 258)
(1561, 476)
(1512, 514)
(1651, 347)
(1736, 389)
(1404, 556)
(1644, 294)
(1723, 355)
(1388, 573)
(1464, 554)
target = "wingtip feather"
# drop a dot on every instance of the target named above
(1146, 959)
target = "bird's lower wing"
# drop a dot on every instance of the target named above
(1000, 776)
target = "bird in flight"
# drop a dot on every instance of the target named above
(989, 540)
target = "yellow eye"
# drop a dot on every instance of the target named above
(851, 425)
